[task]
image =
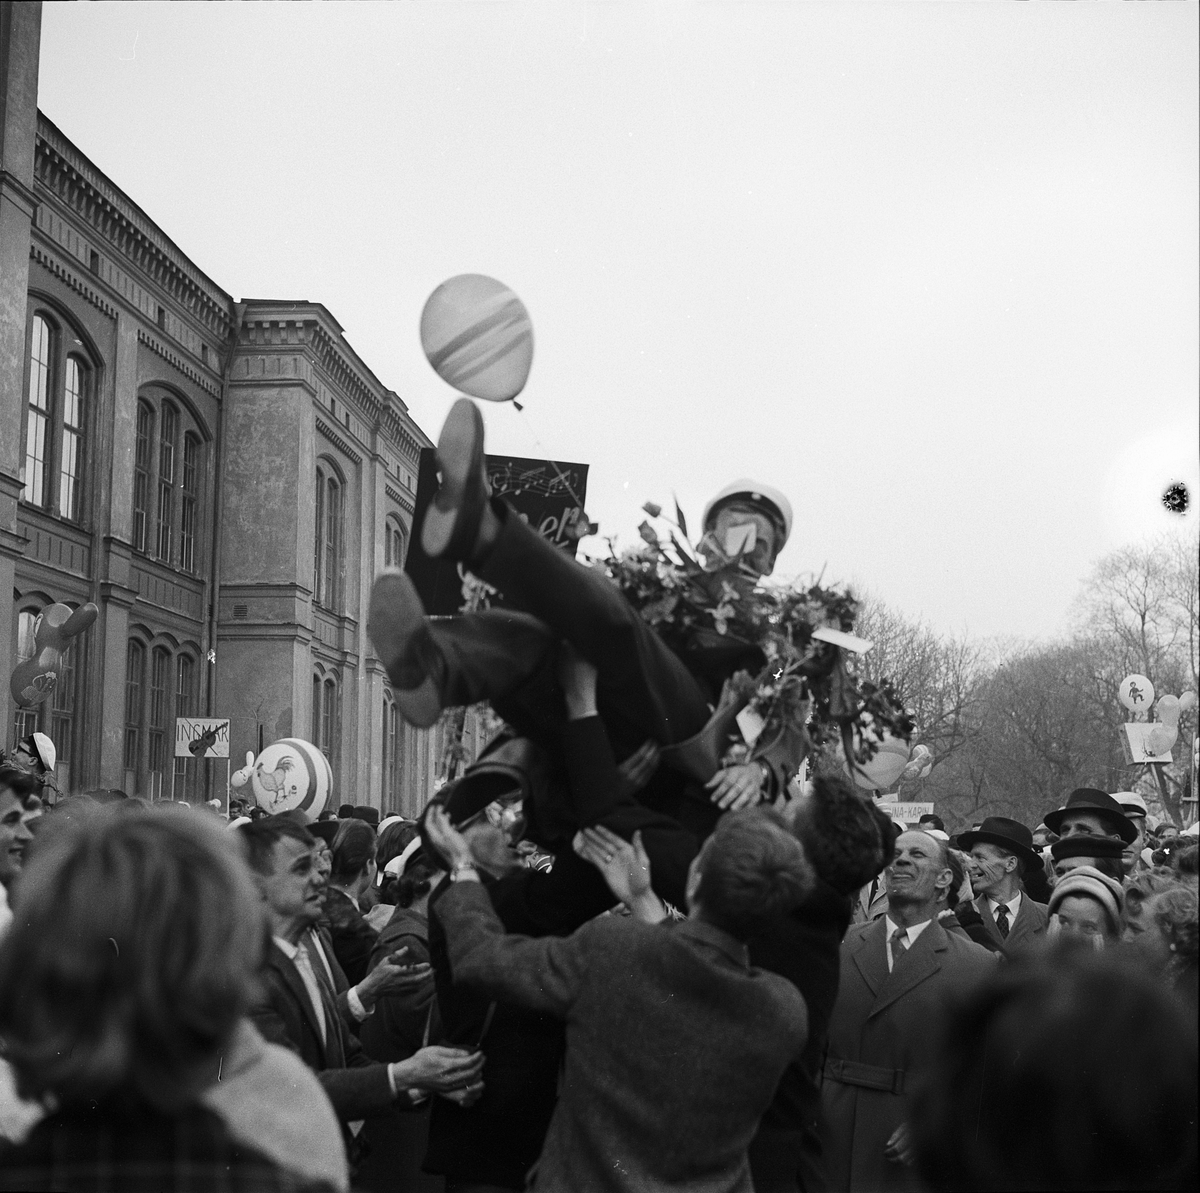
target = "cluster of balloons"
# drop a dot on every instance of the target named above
(1136, 693)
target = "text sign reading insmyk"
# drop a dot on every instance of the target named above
(201, 737)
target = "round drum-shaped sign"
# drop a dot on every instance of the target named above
(292, 775)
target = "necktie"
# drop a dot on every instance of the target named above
(1002, 919)
(899, 947)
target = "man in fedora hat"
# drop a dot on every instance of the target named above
(1085, 849)
(1000, 851)
(1093, 812)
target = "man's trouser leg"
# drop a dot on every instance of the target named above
(641, 682)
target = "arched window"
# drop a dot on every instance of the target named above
(327, 716)
(160, 677)
(56, 422)
(394, 543)
(135, 679)
(327, 561)
(56, 716)
(187, 770)
(391, 752)
(168, 475)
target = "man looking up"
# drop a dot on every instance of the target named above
(306, 1003)
(897, 975)
(999, 850)
(675, 1044)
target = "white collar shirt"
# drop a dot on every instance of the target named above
(909, 937)
(1013, 905)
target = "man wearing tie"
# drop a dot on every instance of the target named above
(1000, 851)
(307, 1004)
(897, 974)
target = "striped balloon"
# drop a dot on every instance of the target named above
(477, 335)
(292, 775)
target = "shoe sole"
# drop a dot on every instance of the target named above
(459, 451)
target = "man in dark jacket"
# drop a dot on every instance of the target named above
(674, 1043)
(306, 1003)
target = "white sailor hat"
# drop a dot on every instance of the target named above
(749, 490)
(1131, 803)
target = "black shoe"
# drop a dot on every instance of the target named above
(451, 524)
(400, 634)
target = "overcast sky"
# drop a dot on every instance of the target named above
(930, 268)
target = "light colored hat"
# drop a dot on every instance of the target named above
(1131, 802)
(756, 494)
(936, 832)
(396, 866)
(389, 821)
(1087, 880)
(239, 822)
(45, 750)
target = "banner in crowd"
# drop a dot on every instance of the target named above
(547, 494)
(201, 737)
(905, 812)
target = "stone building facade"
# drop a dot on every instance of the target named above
(223, 479)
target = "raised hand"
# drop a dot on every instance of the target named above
(637, 769)
(735, 787)
(625, 867)
(446, 839)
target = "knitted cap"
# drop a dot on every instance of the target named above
(1087, 880)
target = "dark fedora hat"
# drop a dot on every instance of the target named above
(325, 830)
(1086, 845)
(1008, 834)
(1089, 799)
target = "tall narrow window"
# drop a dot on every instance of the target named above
(62, 704)
(319, 539)
(71, 466)
(39, 413)
(391, 754)
(187, 515)
(166, 479)
(393, 544)
(186, 769)
(141, 478)
(316, 711)
(135, 666)
(27, 718)
(160, 664)
(329, 720)
(333, 527)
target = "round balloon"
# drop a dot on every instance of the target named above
(891, 757)
(1136, 693)
(477, 335)
(292, 775)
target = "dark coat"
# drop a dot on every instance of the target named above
(1029, 927)
(404, 1022)
(675, 1044)
(879, 1043)
(284, 1014)
(353, 938)
(804, 948)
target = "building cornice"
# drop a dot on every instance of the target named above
(177, 362)
(338, 441)
(65, 274)
(405, 503)
(65, 173)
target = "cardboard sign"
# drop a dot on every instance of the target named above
(545, 493)
(909, 813)
(201, 737)
(1133, 742)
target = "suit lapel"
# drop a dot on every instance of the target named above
(870, 956)
(984, 907)
(1026, 923)
(911, 969)
(287, 970)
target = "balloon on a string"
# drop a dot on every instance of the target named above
(289, 775)
(1136, 692)
(1187, 701)
(1161, 739)
(887, 765)
(1167, 710)
(478, 337)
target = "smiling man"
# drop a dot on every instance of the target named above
(896, 977)
(16, 789)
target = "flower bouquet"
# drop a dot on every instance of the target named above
(792, 640)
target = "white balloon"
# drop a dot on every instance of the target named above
(1187, 701)
(884, 768)
(1136, 693)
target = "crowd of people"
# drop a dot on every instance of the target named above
(580, 969)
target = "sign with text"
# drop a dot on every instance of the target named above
(545, 493)
(1138, 749)
(906, 812)
(201, 737)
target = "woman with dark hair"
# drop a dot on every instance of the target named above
(1064, 1070)
(354, 871)
(1169, 941)
(124, 981)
